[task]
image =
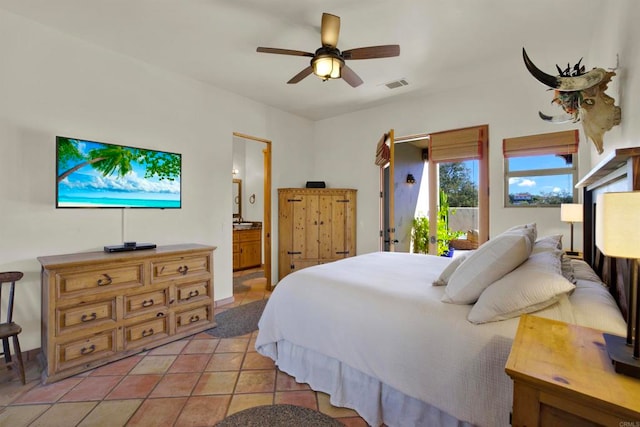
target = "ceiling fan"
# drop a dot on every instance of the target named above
(328, 62)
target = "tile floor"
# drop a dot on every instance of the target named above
(196, 381)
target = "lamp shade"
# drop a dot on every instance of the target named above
(618, 224)
(571, 212)
(327, 67)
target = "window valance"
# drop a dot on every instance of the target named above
(559, 143)
(457, 145)
(383, 152)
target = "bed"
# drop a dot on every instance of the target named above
(372, 332)
(376, 334)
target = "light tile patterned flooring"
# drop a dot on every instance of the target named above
(196, 381)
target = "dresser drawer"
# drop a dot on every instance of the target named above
(150, 330)
(191, 292)
(141, 303)
(100, 280)
(179, 268)
(194, 317)
(87, 349)
(85, 315)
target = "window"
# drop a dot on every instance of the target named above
(540, 170)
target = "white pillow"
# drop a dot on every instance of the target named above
(546, 243)
(535, 285)
(582, 271)
(443, 279)
(485, 265)
(529, 230)
(593, 306)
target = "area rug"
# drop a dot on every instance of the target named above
(280, 416)
(239, 320)
(239, 285)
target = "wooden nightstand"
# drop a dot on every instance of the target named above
(562, 376)
(577, 255)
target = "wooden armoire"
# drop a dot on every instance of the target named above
(315, 226)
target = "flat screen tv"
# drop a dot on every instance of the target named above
(98, 175)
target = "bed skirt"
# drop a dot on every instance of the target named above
(375, 402)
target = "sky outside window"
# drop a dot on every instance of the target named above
(541, 184)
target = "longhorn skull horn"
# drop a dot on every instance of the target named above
(564, 84)
(565, 118)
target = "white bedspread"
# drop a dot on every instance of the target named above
(379, 314)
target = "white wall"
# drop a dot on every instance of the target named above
(254, 177)
(345, 145)
(509, 110)
(52, 84)
(617, 46)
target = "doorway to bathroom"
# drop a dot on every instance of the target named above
(252, 205)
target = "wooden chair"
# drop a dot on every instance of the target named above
(10, 329)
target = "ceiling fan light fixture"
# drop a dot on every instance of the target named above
(327, 66)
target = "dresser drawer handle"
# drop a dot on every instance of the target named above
(105, 282)
(88, 350)
(147, 303)
(183, 269)
(193, 294)
(85, 318)
(147, 333)
(194, 318)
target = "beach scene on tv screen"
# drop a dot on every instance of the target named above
(94, 174)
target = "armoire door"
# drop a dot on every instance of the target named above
(334, 229)
(305, 233)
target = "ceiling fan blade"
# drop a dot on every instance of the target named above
(372, 52)
(329, 30)
(301, 75)
(284, 51)
(349, 76)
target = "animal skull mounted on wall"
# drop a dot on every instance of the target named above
(582, 96)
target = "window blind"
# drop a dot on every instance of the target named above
(457, 145)
(559, 143)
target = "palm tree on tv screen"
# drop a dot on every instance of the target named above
(112, 159)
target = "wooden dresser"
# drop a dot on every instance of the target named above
(562, 376)
(315, 226)
(99, 307)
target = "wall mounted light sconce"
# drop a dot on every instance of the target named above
(234, 171)
(410, 179)
(252, 198)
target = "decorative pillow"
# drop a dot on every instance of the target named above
(582, 271)
(546, 243)
(593, 306)
(488, 263)
(443, 279)
(530, 230)
(535, 285)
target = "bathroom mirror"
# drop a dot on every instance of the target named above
(237, 199)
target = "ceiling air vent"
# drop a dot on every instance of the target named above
(396, 84)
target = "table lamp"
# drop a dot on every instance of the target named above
(618, 235)
(571, 212)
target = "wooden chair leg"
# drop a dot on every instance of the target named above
(5, 348)
(16, 347)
